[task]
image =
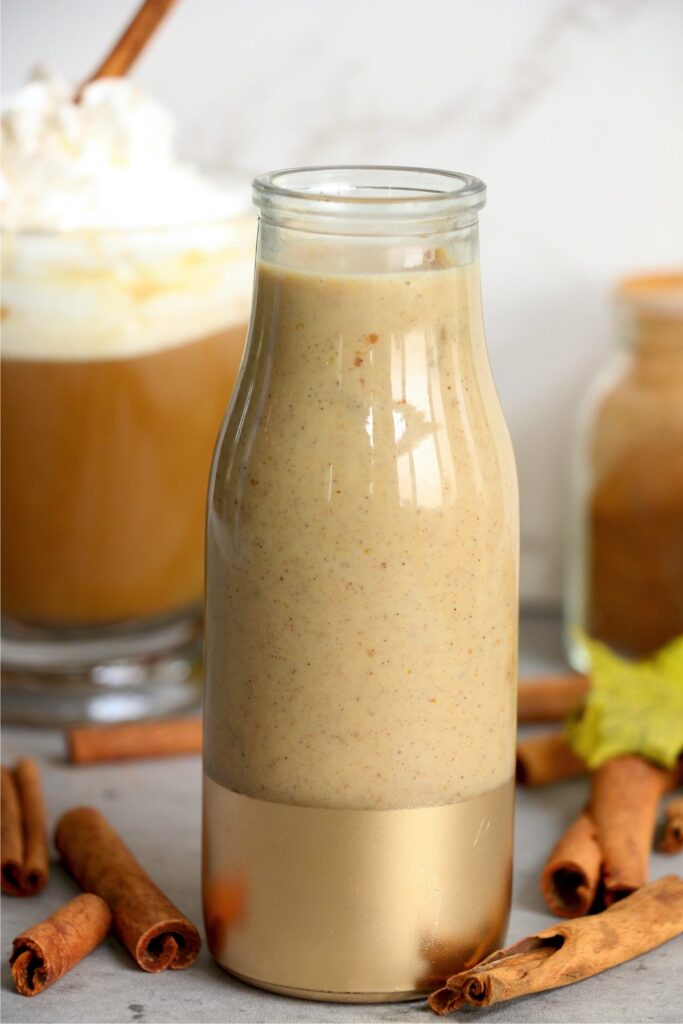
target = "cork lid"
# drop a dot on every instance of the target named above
(659, 293)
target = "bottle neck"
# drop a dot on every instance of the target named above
(655, 340)
(304, 249)
(650, 314)
(368, 220)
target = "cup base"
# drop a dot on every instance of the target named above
(111, 674)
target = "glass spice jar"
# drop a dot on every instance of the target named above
(625, 571)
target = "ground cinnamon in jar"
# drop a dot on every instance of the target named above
(634, 507)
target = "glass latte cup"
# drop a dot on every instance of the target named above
(120, 350)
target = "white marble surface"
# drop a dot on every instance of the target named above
(155, 806)
(567, 108)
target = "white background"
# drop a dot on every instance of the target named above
(569, 109)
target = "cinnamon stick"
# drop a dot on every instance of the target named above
(46, 951)
(153, 930)
(570, 951)
(570, 878)
(625, 795)
(12, 835)
(546, 758)
(130, 44)
(25, 859)
(672, 836)
(550, 698)
(132, 740)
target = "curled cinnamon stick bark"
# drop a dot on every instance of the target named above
(153, 930)
(133, 740)
(550, 698)
(25, 859)
(546, 758)
(672, 836)
(625, 795)
(570, 878)
(45, 952)
(570, 951)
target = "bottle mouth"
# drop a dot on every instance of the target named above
(376, 197)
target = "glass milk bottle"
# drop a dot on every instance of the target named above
(361, 617)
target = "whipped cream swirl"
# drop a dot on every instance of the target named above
(108, 161)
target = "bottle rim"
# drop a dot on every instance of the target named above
(383, 194)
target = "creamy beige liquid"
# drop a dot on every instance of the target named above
(362, 550)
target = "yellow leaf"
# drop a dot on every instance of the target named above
(632, 707)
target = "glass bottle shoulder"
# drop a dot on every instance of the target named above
(377, 384)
